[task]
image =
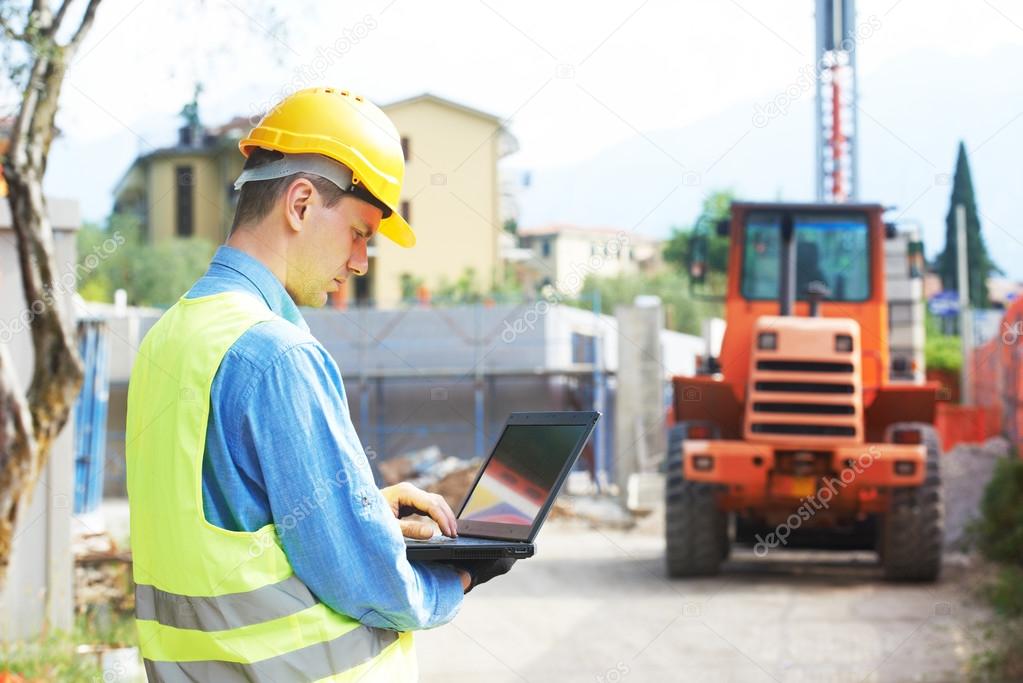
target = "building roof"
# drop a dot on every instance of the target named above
(584, 231)
(430, 97)
(215, 140)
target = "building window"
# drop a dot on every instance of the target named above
(406, 211)
(584, 348)
(545, 248)
(183, 189)
(405, 147)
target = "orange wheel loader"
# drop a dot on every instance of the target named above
(794, 436)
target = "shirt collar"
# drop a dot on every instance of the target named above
(262, 280)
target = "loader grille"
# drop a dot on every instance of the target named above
(804, 366)
(816, 400)
(806, 387)
(803, 408)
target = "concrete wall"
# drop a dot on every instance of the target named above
(640, 436)
(38, 586)
(411, 374)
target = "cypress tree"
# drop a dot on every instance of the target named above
(979, 265)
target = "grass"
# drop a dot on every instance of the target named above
(1001, 660)
(54, 656)
(999, 533)
(1005, 592)
(51, 658)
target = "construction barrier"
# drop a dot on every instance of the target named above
(996, 378)
(966, 424)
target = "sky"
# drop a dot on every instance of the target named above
(573, 79)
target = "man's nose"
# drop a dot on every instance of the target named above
(358, 262)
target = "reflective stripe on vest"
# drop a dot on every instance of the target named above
(310, 663)
(213, 604)
(222, 612)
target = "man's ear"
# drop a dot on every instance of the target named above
(297, 199)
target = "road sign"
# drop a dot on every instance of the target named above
(944, 304)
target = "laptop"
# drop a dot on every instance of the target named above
(514, 489)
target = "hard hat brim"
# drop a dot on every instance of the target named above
(397, 230)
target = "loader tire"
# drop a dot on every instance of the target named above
(913, 529)
(696, 531)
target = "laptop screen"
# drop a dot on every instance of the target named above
(518, 479)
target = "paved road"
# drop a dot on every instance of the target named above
(595, 605)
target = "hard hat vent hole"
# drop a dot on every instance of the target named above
(358, 98)
(344, 93)
(329, 90)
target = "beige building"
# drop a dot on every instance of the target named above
(451, 196)
(565, 255)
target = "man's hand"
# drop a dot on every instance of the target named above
(406, 499)
(481, 571)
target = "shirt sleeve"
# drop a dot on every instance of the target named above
(335, 526)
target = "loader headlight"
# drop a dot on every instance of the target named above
(843, 343)
(703, 463)
(767, 341)
(905, 468)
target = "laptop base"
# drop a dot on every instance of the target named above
(466, 549)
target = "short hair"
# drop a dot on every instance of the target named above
(257, 198)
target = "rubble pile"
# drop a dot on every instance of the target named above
(965, 473)
(102, 574)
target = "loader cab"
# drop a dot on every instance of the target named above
(805, 260)
(830, 249)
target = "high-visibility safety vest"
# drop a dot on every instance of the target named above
(212, 604)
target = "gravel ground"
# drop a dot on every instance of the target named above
(595, 605)
(965, 472)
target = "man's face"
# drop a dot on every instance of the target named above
(330, 248)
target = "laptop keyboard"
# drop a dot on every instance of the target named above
(461, 540)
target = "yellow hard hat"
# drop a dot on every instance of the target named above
(348, 129)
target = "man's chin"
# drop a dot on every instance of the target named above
(311, 300)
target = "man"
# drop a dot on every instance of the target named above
(262, 548)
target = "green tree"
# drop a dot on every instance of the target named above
(151, 274)
(716, 207)
(941, 351)
(464, 290)
(979, 263)
(682, 312)
(410, 285)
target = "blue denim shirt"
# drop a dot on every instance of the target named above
(281, 448)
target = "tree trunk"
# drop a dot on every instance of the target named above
(28, 428)
(16, 454)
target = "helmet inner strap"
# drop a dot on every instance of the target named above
(289, 164)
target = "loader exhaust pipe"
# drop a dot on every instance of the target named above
(787, 267)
